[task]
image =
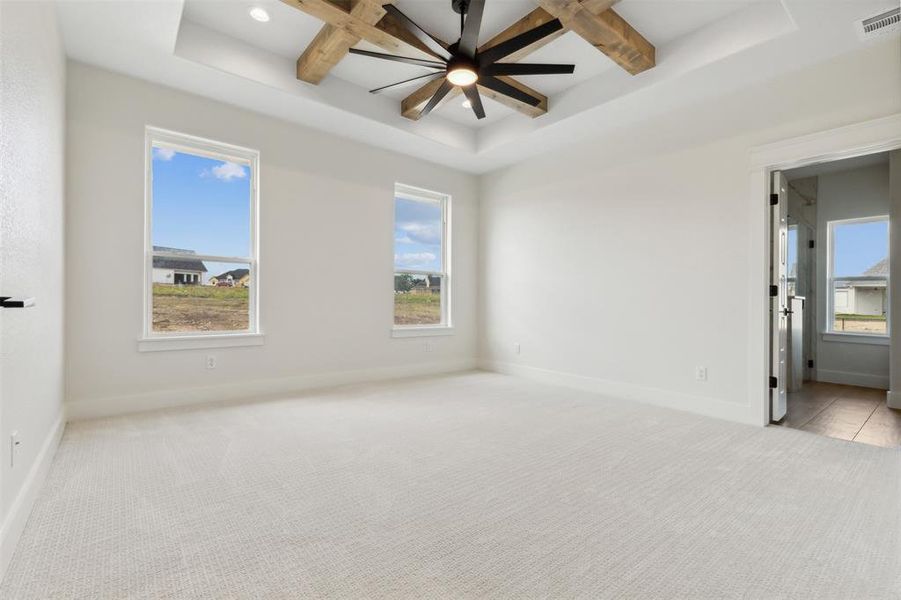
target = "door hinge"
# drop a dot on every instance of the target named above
(774, 199)
(774, 291)
(774, 383)
(810, 364)
(811, 244)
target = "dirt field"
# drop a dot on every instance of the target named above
(200, 308)
(417, 309)
(860, 324)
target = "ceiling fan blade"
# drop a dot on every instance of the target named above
(432, 64)
(438, 97)
(506, 89)
(421, 34)
(526, 69)
(472, 94)
(406, 81)
(469, 39)
(495, 53)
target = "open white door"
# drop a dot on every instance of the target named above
(779, 309)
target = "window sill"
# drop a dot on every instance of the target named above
(856, 338)
(193, 342)
(405, 332)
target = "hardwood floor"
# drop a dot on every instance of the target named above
(846, 412)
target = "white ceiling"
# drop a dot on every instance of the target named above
(289, 32)
(213, 48)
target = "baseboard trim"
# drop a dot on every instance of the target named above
(880, 382)
(710, 407)
(93, 408)
(21, 507)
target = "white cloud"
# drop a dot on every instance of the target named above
(414, 260)
(163, 153)
(422, 233)
(228, 171)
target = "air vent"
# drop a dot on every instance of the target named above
(880, 25)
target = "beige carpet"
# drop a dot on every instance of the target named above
(469, 486)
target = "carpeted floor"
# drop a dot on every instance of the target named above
(468, 486)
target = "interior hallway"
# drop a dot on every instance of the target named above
(845, 412)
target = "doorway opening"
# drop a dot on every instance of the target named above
(830, 310)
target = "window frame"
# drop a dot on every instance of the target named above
(198, 146)
(445, 327)
(830, 333)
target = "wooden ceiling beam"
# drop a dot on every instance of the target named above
(332, 43)
(534, 19)
(341, 18)
(522, 107)
(606, 31)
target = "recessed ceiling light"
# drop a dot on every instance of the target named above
(466, 104)
(259, 14)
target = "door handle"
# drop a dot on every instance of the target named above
(9, 302)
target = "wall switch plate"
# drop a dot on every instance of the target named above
(701, 373)
(211, 362)
(14, 444)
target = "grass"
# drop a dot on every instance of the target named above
(200, 308)
(859, 323)
(417, 309)
(852, 317)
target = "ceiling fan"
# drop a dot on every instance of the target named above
(460, 64)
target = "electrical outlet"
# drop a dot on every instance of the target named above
(701, 373)
(428, 347)
(14, 444)
(516, 348)
(210, 362)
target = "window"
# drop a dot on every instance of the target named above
(792, 267)
(201, 268)
(858, 275)
(421, 261)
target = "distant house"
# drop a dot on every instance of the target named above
(177, 271)
(233, 278)
(431, 284)
(863, 297)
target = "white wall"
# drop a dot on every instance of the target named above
(327, 210)
(622, 264)
(32, 126)
(848, 194)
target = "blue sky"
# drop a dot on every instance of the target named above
(417, 235)
(200, 204)
(858, 246)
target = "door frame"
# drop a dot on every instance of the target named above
(868, 137)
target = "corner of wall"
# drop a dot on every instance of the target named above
(18, 514)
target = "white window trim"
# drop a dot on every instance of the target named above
(149, 341)
(876, 339)
(446, 325)
(829, 334)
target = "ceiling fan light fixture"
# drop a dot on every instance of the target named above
(462, 76)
